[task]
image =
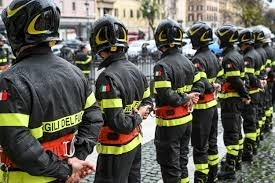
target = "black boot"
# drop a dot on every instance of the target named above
(227, 171)
(200, 177)
(239, 160)
(248, 150)
(212, 175)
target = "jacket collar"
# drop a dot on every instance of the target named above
(111, 59)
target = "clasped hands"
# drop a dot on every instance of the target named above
(80, 169)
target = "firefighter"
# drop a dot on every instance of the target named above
(233, 93)
(258, 45)
(252, 62)
(270, 70)
(124, 96)
(174, 76)
(83, 61)
(49, 118)
(4, 55)
(205, 114)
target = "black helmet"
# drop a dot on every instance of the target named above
(168, 33)
(108, 33)
(259, 36)
(227, 34)
(200, 34)
(246, 36)
(31, 22)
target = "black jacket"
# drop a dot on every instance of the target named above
(47, 99)
(83, 61)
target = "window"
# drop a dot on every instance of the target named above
(138, 14)
(124, 13)
(1, 3)
(131, 14)
(73, 6)
(61, 6)
(116, 12)
(190, 17)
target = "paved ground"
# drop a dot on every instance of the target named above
(260, 171)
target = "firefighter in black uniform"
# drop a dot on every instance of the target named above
(4, 55)
(252, 62)
(233, 93)
(47, 112)
(83, 61)
(270, 70)
(174, 76)
(205, 114)
(258, 45)
(124, 97)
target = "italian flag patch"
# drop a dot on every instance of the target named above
(3, 96)
(157, 73)
(105, 88)
(229, 66)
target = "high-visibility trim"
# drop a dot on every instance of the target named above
(257, 73)
(90, 100)
(251, 136)
(3, 60)
(205, 105)
(213, 159)
(37, 132)
(203, 74)
(262, 68)
(86, 72)
(174, 122)
(116, 150)
(202, 168)
(185, 180)
(228, 95)
(14, 119)
(162, 84)
(249, 70)
(211, 80)
(273, 63)
(146, 93)
(232, 73)
(185, 89)
(252, 91)
(268, 61)
(233, 149)
(111, 103)
(129, 108)
(23, 177)
(31, 28)
(85, 61)
(197, 77)
(220, 73)
(241, 143)
(62, 123)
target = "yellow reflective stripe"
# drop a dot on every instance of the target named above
(213, 159)
(163, 84)
(111, 103)
(251, 136)
(23, 177)
(129, 108)
(268, 61)
(62, 123)
(249, 70)
(14, 119)
(146, 93)
(254, 91)
(84, 62)
(86, 72)
(233, 149)
(232, 73)
(273, 63)
(37, 132)
(116, 150)
(220, 73)
(212, 80)
(242, 74)
(3, 60)
(174, 122)
(203, 74)
(90, 100)
(197, 77)
(262, 68)
(185, 89)
(257, 73)
(228, 95)
(205, 105)
(185, 180)
(202, 168)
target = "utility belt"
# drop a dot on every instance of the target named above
(109, 137)
(62, 147)
(207, 98)
(226, 88)
(169, 112)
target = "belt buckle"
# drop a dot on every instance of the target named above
(69, 153)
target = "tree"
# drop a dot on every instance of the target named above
(251, 12)
(150, 11)
(270, 19)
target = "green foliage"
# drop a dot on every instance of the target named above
(150, 11)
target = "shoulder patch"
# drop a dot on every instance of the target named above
(197, 65)
(229, 66)
(3, 95)
(158, 73)
(105, 88)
